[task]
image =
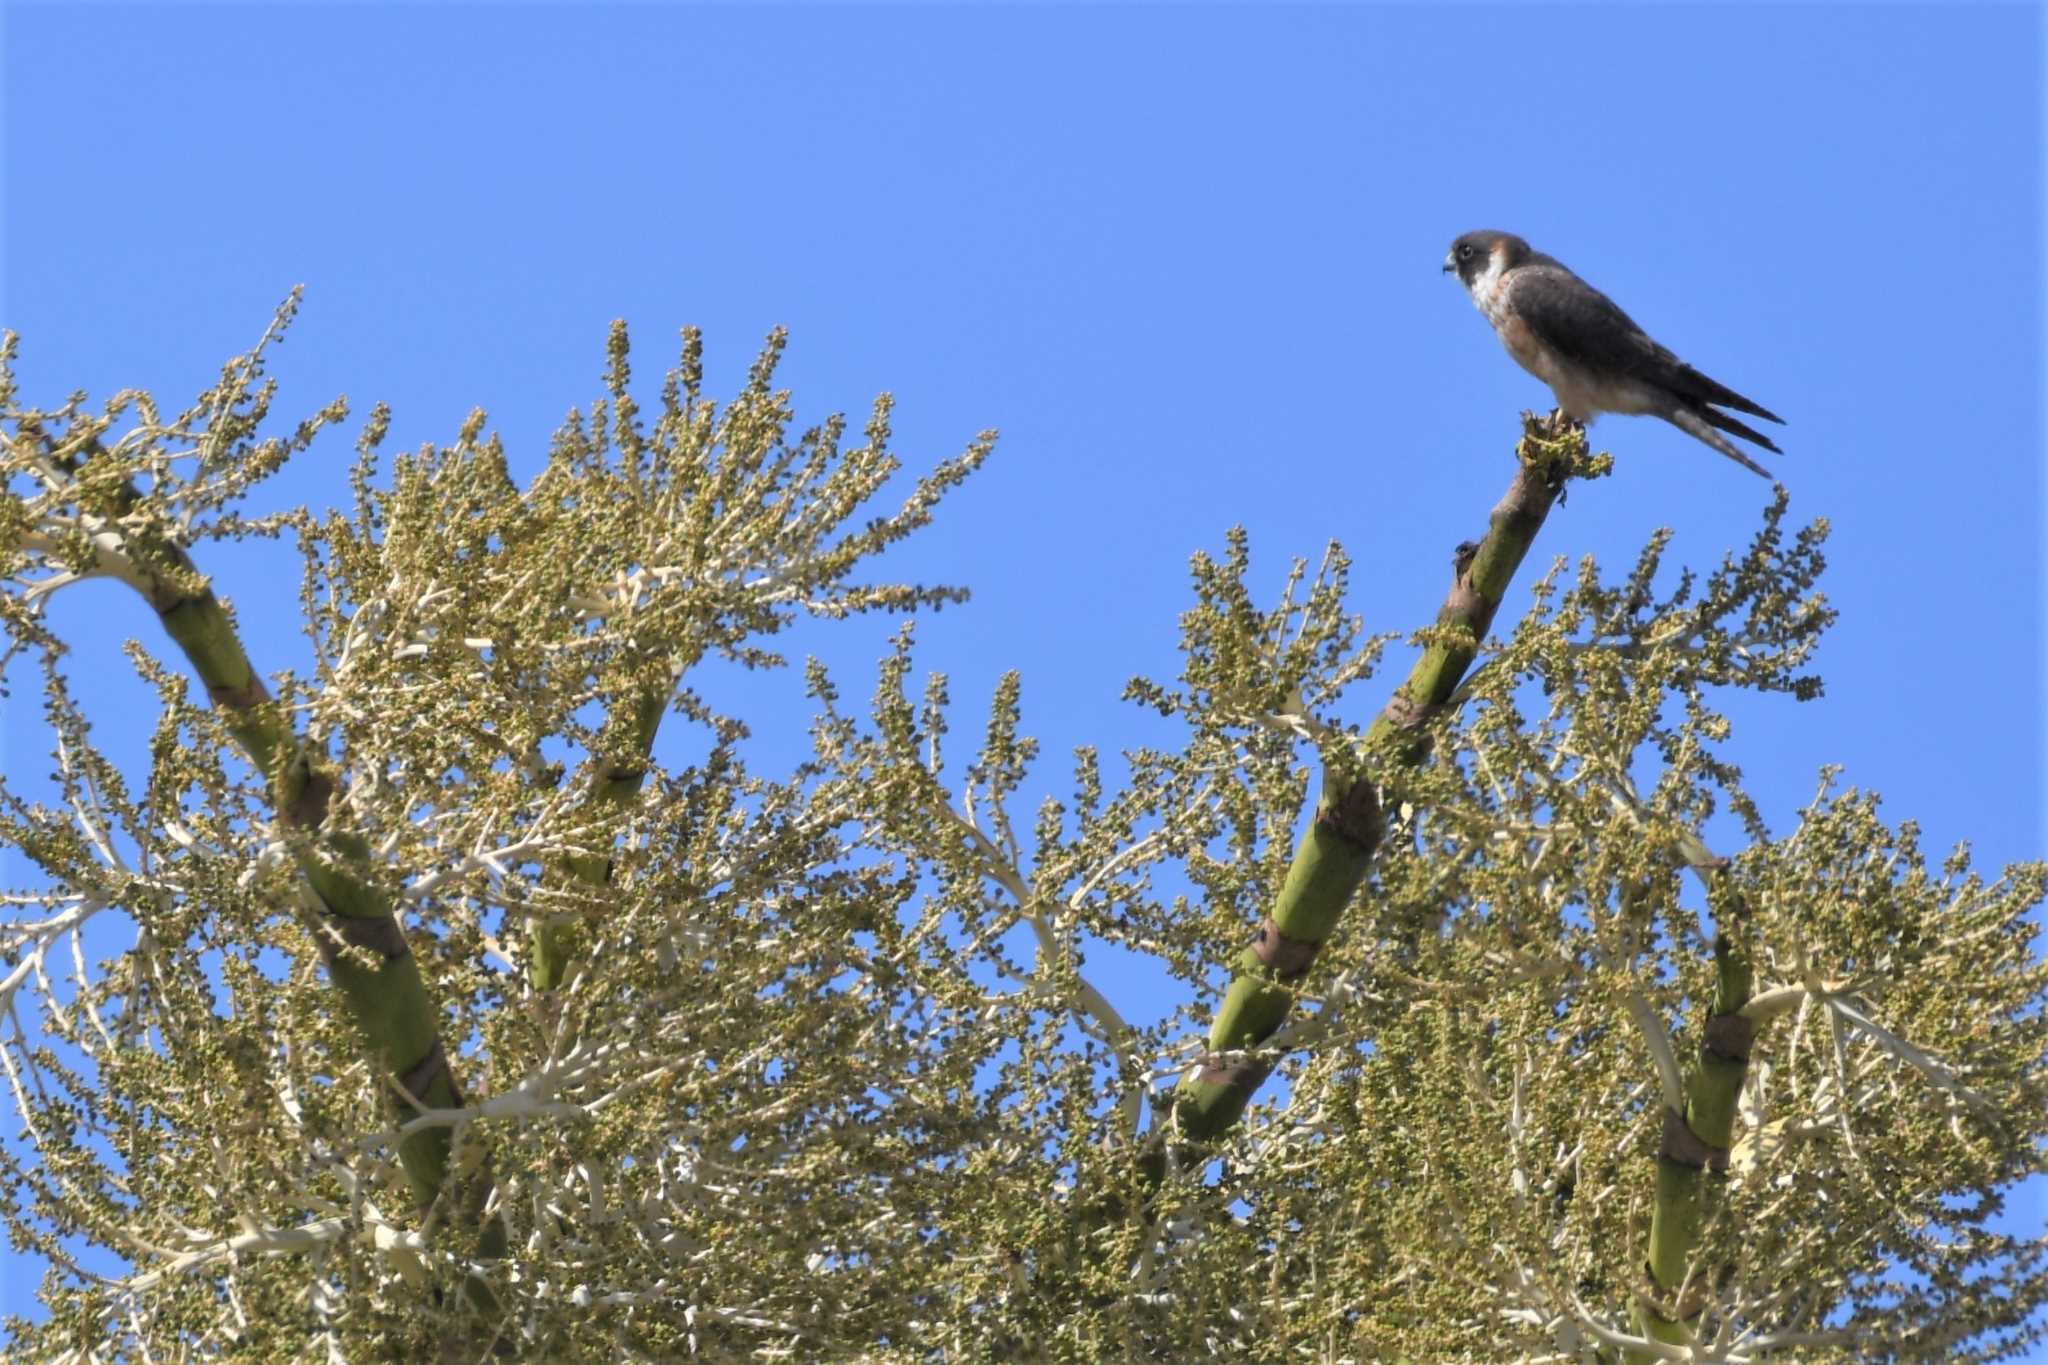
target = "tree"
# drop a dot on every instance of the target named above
(454, 1022)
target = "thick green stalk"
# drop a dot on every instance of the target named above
(1698, 1141)
(360, 940)
(1333, 858)
(386, 996)
(622, 770)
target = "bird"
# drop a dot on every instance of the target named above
(1592, 355)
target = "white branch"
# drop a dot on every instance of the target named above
(1659, 1041)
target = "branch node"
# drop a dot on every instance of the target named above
(1683, 1146)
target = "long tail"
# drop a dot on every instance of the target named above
(1690, 383)
(1701, 421)
(1735, 428)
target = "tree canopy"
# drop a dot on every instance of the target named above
(453, 1016)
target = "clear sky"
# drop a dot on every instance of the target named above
(1186, 259)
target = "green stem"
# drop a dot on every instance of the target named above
(1693, 1158)
(1336, 853)
(360, 941)
(386, 996)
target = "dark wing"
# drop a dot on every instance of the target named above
(1583, 325)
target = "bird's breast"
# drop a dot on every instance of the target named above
(1521, 341)
(1577, 392)
(1491, 296)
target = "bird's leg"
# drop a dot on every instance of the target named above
(1549, 441)
(1563, 425)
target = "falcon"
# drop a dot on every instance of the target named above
(1591, 354)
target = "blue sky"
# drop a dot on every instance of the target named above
(1184, 258)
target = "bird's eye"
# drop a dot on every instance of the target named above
(1465, 252)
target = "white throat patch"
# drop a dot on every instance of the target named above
(1485, 287)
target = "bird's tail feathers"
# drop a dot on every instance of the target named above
(1733, 427)
(1697, 422)
(1704, 390)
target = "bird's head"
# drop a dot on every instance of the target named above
(1484, 252)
